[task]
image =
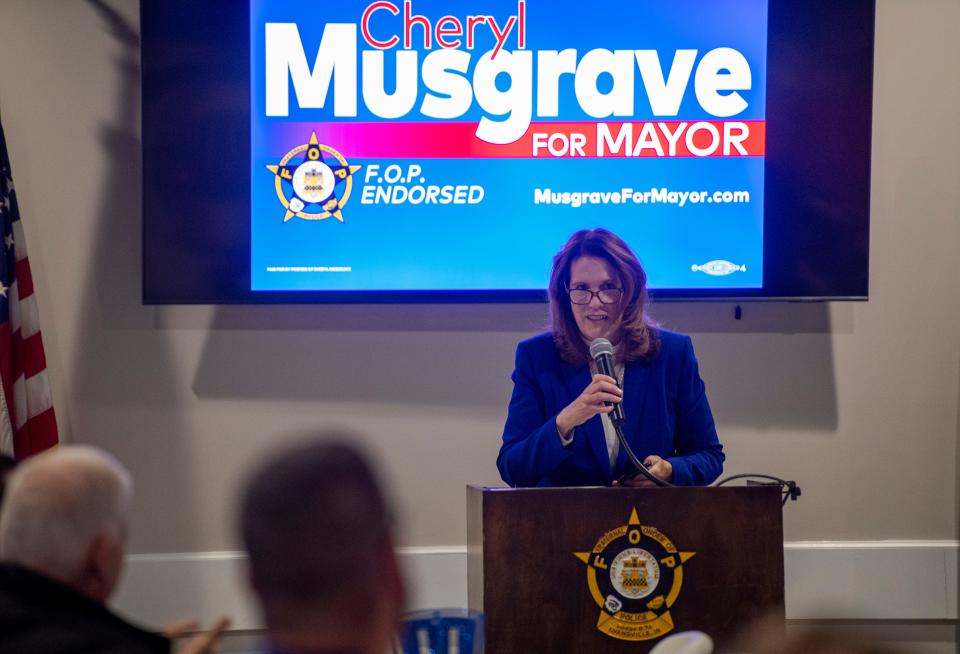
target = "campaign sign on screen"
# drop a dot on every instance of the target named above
(428, 145)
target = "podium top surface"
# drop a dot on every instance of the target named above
(757, 490)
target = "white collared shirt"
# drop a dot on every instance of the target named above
(609, 431)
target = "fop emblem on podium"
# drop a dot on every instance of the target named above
(634, 574)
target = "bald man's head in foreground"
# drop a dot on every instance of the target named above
(65, 516)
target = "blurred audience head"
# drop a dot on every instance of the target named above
(317, 530)
(65, 516)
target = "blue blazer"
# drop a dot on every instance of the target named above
(666, 409)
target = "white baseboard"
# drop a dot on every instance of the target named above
(862, 580)
(871, 580)
(158, 589)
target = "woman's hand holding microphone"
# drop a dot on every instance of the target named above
(598, 397)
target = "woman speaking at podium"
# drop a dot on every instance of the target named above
(558, 430)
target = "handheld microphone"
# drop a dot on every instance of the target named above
(602, 353)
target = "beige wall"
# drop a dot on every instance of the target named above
(859, 402)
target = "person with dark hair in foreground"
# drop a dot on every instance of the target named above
(558, 430)
(63, 531)
(317, 531)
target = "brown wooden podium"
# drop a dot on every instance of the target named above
(594, 570)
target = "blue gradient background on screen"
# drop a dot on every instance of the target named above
(507, 241)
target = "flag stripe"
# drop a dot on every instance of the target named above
(19, 403)
(31, 397)
(38, 394)
(16, 355)
(6, 364)
(29, 316)
(39, 434)
(6, 429)
(12, 298)
(28, 356)
(24, 278)
(19, 241)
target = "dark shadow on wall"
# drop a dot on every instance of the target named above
(774, 367)
(122, 372)
(442, 355)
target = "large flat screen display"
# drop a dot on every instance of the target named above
(421, 150)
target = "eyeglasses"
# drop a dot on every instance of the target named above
(585, 295)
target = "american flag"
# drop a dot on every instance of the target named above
(27, 423)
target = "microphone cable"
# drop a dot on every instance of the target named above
(602, 352)
(637, 463)
(789, 488)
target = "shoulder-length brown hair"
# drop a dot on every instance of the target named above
(638, 334)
